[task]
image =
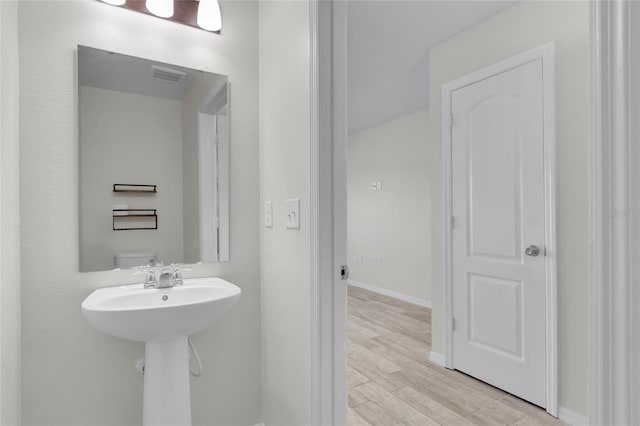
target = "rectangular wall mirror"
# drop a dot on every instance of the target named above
(154, 158)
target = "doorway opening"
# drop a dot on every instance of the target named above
(398, 323)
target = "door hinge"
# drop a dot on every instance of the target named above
(344, 272)
(452, 222)
(452, 121)
(453, 324)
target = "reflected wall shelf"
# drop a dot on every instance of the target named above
(142, 215)
(126, 187)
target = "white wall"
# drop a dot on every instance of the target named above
(72, 373)
(634, 319)
(135, 139)
(393, 223)
(634, 222)
(285, 173)
(523, 26)
(9, 218)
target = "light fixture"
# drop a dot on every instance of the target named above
(201, 14)
(161, 8)
(209, 17)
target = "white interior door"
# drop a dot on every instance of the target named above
(208, 186)
(498, 209)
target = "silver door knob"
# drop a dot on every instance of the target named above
(532, 251)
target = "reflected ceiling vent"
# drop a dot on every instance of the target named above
(167, 74)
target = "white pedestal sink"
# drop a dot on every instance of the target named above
(163, 319)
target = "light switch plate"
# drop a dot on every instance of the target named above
(268, 214)
(292, 213)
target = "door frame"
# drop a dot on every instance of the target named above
(612, 195)
(544, 53)
(213, 166)
(608, 32)
(328, 87)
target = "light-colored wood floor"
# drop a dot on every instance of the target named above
(392, 382)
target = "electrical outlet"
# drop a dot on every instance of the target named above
(268, 214)
(377, 185)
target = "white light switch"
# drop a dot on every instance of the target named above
(268, 214)
(292, 213)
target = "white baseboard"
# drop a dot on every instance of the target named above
(409, 299)
(436, 358)
(571, 417)
(259, 424)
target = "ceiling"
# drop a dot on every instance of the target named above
(388, 52)
(113, 71)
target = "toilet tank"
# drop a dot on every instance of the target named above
(131, 260)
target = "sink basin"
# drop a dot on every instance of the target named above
(163, 319)
(135, 313)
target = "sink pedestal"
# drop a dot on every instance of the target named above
(166, 399)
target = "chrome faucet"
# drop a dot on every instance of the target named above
(166, 279)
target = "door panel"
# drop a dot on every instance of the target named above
(499, 293)
(494, 202)
(495, 314)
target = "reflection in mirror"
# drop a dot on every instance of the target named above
(153, 153)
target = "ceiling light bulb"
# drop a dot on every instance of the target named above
(115, 2)
(161, 8)
(209, 17)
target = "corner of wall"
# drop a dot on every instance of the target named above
(9, 218)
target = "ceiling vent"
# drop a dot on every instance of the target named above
(167, 74)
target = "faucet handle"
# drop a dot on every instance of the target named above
(149, 278)
(177, 273)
